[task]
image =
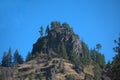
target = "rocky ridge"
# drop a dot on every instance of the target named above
(57, 37)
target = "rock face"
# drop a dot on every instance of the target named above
(59, 36)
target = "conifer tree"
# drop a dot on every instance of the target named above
(17, 58)
(86, 54)
(41, 31)
(98, 46)
(55, 24)
(100, 60)
(4, 60)
(63, 51)
(108, 68)
(98, 57)
(7, 58)
(93, 54)
(65, 25)
(29, 56)
(47, 30)
(74, 58)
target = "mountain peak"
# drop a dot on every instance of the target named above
(59, 41)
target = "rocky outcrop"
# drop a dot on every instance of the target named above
(58, 37)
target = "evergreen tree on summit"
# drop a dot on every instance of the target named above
(47, 30)
(98, 46)
(55, 24)
(17, 58)
(41, 31)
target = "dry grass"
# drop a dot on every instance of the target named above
(60, 76)
(70, 71)
(89, 70)
(68, 67)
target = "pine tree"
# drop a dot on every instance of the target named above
(93, 54)
(108, 65)
(4, 60)
(55, 24)
(44, 49)
(65, 25)
(98, 46)
(47, 30)
(7, 59)
(17, 58)
(86, 54)
(100, 60)
(41, 31)
(29, 56)
(98, 57)
(108, 68)
(63, 52)
(74, 58)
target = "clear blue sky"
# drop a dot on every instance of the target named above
(95, 21)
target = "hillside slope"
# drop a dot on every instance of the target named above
(54, 69)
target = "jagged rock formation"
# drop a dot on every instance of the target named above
(58, 36)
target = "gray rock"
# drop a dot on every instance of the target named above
(51, 43)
